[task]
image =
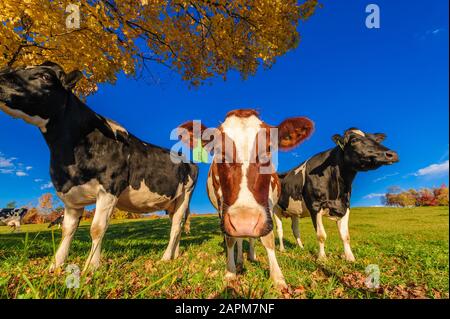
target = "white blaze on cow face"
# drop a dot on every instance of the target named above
(243, 132)
(245, 217)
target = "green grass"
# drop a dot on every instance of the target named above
(410, 246)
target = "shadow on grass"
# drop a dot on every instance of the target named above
(134, 238)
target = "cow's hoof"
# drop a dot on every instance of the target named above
(56, 270)
(282, 249)
(322, 257)
(280, 284)
(90, 268)
(166, 257)
(253, 259)
(230, 276)
(350, 258)
(300, 244)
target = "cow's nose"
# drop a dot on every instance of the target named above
(245, 222)
(391, 156)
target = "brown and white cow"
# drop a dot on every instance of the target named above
(242, 183)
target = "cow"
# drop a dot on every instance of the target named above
(242, 183)
(57, 221)
(12, 217)
(322, 185)
(94, 160)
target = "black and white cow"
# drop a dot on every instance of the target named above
(322, 185)
(58, 221)
(94, 159)
(12, 217)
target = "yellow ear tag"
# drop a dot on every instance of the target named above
(200, 154)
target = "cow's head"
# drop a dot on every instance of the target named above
(364, 151)
(36, 93)
(242, 174)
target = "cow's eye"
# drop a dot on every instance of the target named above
(355, 141)
(46, 77)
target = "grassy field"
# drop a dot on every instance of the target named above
(410, 246)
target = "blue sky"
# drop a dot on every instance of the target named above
(392, 80)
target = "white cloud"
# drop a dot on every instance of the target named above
(6, 162)
(374, 195)
(11, 166)
(433, 170)
(438, 30)
(38, 180)
(47, 185)
(21, 173)
(385, 177)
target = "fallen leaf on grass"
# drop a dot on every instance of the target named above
(149, 266)
(338, 292)
(411, 291)
(318, 275)
(115, 293)
(354, 280)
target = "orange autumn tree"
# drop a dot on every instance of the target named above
(198, 39)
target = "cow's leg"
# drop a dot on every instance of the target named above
(103, 211)
(251, 251)
(275, 272)
(177, 218)
(345, 236)
(321, 235)
(296, 230)
(173, 249)
(240, 253)
(231, 266)
(177, 247)
(187, 222)
(279, 224)
(69, 226)
(187, 228)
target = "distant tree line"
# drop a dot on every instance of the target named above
(412, 198)
(46, 212)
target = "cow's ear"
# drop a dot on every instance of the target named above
(191, 132)
(379, 137)
(72, 79)
(293, 131)
(338, 140)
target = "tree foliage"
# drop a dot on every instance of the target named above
(424, 197)
(199, 39)
(12, 204)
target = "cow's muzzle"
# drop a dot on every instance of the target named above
(246, 222)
